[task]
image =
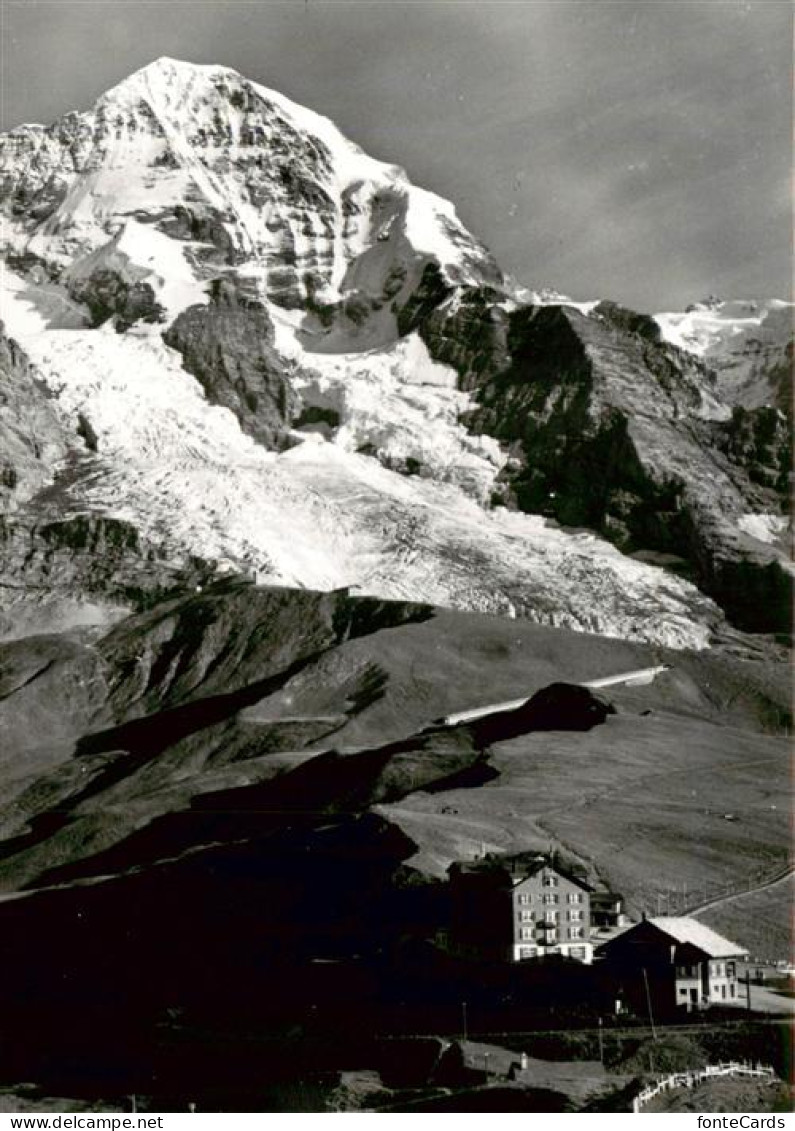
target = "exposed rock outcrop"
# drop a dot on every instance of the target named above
(58, 572)
(228, 346)
(107, 293)
(33, 438)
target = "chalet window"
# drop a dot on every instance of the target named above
(717, 969)
(575, 915)
(575, 897)
(731, 970)
(550, 897)
(524, 898)
(575, 932)
(550, 881)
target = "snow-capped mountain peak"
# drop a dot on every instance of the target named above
(263, 348)
(244, 175)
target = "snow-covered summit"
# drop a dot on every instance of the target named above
(242, 177)
(748, 342)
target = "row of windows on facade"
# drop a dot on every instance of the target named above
(716, 969)
(532, 951)
(551, 897)
(575, 915)
(731, 990)
(573, 933)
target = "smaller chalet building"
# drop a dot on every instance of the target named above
(510, 910)
(685, 965)
(607, 910)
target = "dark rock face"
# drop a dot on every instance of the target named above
(561, 706)
(32, 436)
(473, 339)
(228, 346)
(106, 292)
(606, 428)
(760, 440)
(202, 225)
(87, 556)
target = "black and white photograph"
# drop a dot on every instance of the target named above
(396, 586)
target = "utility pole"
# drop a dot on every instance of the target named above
(464, 1016)
(748, 989)
(601, 1043)
(648, 1003)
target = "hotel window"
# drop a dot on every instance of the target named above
(550, 881)
(550, 897)
(525, 898)
(575, 932)
(575, 897)
(526, 933)
(575, 915)
(526, 916)
(550, 916)
(718, 970)
(731, 970)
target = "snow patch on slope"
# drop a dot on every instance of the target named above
(705, 325)
(764, 527)
(140, 253)
(401, 405)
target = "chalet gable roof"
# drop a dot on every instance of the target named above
(689, 931)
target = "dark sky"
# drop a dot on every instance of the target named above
(635, 149)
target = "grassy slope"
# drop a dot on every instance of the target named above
(759, 917)
(640, 799)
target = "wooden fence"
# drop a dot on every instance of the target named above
(697, 1076)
